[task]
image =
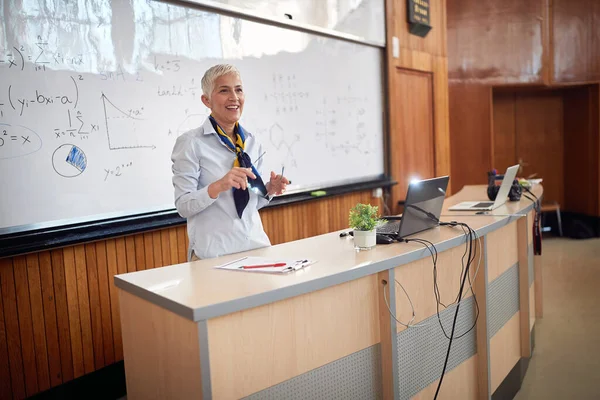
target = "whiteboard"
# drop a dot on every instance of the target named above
(364, 19)
(93, 95)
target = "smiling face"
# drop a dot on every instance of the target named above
(226, 100)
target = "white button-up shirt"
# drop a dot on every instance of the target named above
(213, 226)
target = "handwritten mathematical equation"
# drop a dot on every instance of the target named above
(178, 90)
(21, 102)
(117, 171)
(169, 65)
(119, 75)
(77, 127)
(6, 138)
(38, 55)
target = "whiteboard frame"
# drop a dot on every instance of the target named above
(233, 11)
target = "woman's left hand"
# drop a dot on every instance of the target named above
(277, 184)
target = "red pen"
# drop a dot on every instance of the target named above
(264, 265)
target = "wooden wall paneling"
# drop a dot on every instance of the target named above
(441, 118)
(113, 269)
(122, 268)
(50, 320)
(84, 300)
(140, 252)
(581, 170)
(411, 138)
(13, 334)
(5, 386)
(95, 307)
(62, 314)
(157, 249)
(11, 366)
(25, 325)
(539, 127)
(335, 209)
(576, 34)
(105, 309)
(75, 328)
(548, 42)
(504, 131)
(182, 243)
(435, 41)
(319, 215)
(173, 247)
(148, 251)
(187, 244)
(165, 247)
(59, 316)
(470, 134)
(37, 319)
(595, 128)
(495, 42)
(131, 254)
(415, 60)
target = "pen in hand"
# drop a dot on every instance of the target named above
(282, 169)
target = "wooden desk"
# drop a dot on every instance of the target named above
(192, 331)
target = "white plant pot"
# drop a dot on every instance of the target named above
(364, 240)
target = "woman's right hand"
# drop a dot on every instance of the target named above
(236, 178)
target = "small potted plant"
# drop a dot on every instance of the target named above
(363, 219)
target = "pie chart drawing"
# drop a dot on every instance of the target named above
(69, 161)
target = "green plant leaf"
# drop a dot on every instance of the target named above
(364, 217)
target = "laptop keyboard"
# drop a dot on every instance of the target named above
(389, 227)
(484, 204)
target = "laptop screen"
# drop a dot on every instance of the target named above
(423, 206)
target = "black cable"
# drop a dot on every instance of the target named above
(537, 235)
(472, 254)
(470, 258)
(470, 234)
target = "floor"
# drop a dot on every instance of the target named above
(566, 360)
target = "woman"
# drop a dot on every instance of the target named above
(213, 170)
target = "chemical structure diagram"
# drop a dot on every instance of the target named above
(353, 124)
(285, 95)
(283, 142)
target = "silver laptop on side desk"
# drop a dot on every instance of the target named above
(422, 209)
(507, 182)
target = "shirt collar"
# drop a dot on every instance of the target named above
(208, 129)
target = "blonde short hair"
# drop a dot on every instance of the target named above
(213, 73)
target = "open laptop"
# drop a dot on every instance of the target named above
(507, 182)
(422, 208)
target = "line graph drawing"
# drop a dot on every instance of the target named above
(190, 122)
(121, 128)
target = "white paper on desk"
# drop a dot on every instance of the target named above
(291, 265)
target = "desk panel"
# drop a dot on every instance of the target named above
(161, 349)
(502, 250)
(417, 280)
(266, 345)
(460, 383)
(505, 351)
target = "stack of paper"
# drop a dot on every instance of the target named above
(262, 264)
